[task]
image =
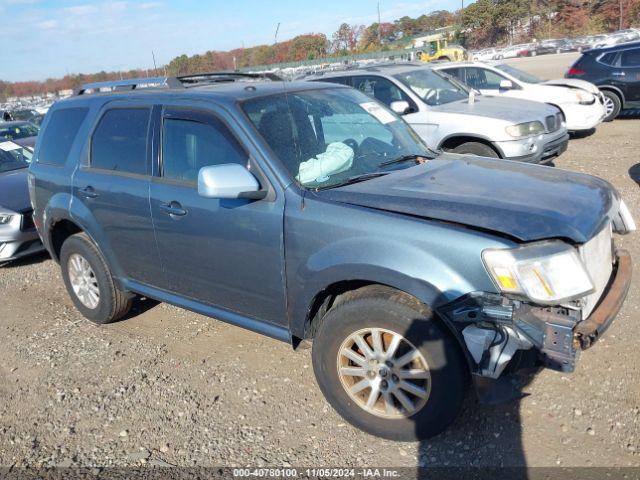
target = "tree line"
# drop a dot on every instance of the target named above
(480, 24)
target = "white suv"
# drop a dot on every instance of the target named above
(449, 116)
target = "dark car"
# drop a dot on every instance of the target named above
(311, 213)
(28, 116)
(16, 130)
(616, 71)
(18, 236)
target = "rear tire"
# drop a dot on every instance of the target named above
(475, 148)
(439, 376)
(89, 281)
(613, 104)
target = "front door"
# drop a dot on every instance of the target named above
(219, 252)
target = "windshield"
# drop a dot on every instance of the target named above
(13, 157)
(17, 131)
(326, 137)
(434, 88)
(519, 74)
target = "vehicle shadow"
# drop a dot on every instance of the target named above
(485, 441)
(634, 173)
(629, 115)
(582, 134)
(26, 261)
(140, 305)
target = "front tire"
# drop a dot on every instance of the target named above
(475, 148)
(89, 281)
(388, 366)
(613, 104)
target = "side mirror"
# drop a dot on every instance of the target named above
(506, 85)
(230, 180)
(401, 107)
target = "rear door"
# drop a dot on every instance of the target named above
(629, 75)
(227, 253)
(113, 186)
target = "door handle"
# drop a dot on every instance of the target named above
(88, 192)
(618, 74)
(173, 209)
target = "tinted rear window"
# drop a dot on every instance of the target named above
(58, 137)
(119, 142)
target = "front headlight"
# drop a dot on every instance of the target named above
(5, 218)
(547, 272)
(585, 98)
(527, 129)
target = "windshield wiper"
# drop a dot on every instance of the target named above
(355, 179)
(406, 158)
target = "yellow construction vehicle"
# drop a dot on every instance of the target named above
(435, 47)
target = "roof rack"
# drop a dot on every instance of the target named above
(231, 76)
(184, 81)
(129, 84)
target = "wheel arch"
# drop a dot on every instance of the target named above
(455, 140)
(406, 289)
(616, 90)
(342, 291)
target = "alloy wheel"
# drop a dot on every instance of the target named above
(609, 105)
(83, 281)
(384, 373)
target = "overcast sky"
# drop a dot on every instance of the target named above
(48, 38)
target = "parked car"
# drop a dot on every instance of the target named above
(15, 130)
(523, 50)
(18, 236)
(28, 115)
(447, 115)
(581, 102)
(314, 213)
(486, 54)
(616, 72)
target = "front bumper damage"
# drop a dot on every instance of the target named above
(495, 328)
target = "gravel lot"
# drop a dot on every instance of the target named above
(168, 387)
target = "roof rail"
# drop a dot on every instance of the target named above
(231, 76)
(130, 84)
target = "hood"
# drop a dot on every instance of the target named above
(523, 201)
(573, 83)
(509, 109)
(14, 191)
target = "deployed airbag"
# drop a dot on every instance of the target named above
(336, 159)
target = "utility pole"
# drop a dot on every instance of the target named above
(275, 38)
(379, 21)
(621, 14)
(155, 67)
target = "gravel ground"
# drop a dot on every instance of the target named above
(168, 387)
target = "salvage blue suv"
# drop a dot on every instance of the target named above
(313, 214)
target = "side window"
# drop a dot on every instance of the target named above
(381, 89)
(630, 58)
(119, 142)
(482, 79)
(456, 73)
(188, 145)
(58, 137)
(609, 58)
(340, 80)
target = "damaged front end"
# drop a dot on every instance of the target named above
(496, 328)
